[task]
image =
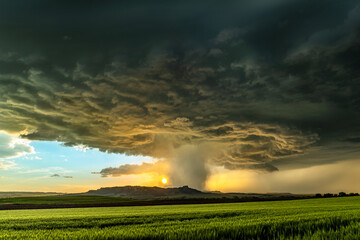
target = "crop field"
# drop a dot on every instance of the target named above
(331, 218)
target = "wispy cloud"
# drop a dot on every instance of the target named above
(47, 170)
(5, 165)
(56, 175)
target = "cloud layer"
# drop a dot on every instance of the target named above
(242, 85)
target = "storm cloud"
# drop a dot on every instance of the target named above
(128, 169)
(258, 84)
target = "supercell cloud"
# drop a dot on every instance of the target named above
(241, 85)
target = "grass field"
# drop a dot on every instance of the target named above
(331, 218)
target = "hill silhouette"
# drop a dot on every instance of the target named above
(146, 192)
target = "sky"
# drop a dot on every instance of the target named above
(246, 96)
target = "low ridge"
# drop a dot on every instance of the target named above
(139, 191)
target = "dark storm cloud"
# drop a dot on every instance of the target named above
(260, 82)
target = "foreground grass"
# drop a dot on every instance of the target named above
(334, 218)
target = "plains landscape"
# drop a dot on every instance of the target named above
(78, 217)
(179, 119)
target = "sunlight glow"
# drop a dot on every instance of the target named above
(164, 180)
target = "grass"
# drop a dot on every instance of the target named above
(332, 218)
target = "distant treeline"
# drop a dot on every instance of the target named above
(341, 194)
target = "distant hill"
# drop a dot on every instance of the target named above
(146, 192)
(158, 193)
(27, 194)
(185, 192)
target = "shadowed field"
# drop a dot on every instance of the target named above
(60, 200)
(333, 218)
(83, 201)
(137, 196)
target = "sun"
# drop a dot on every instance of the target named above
(164, 180)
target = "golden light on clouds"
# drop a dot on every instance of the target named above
(323, 178)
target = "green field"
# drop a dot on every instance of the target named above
(331, 218)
